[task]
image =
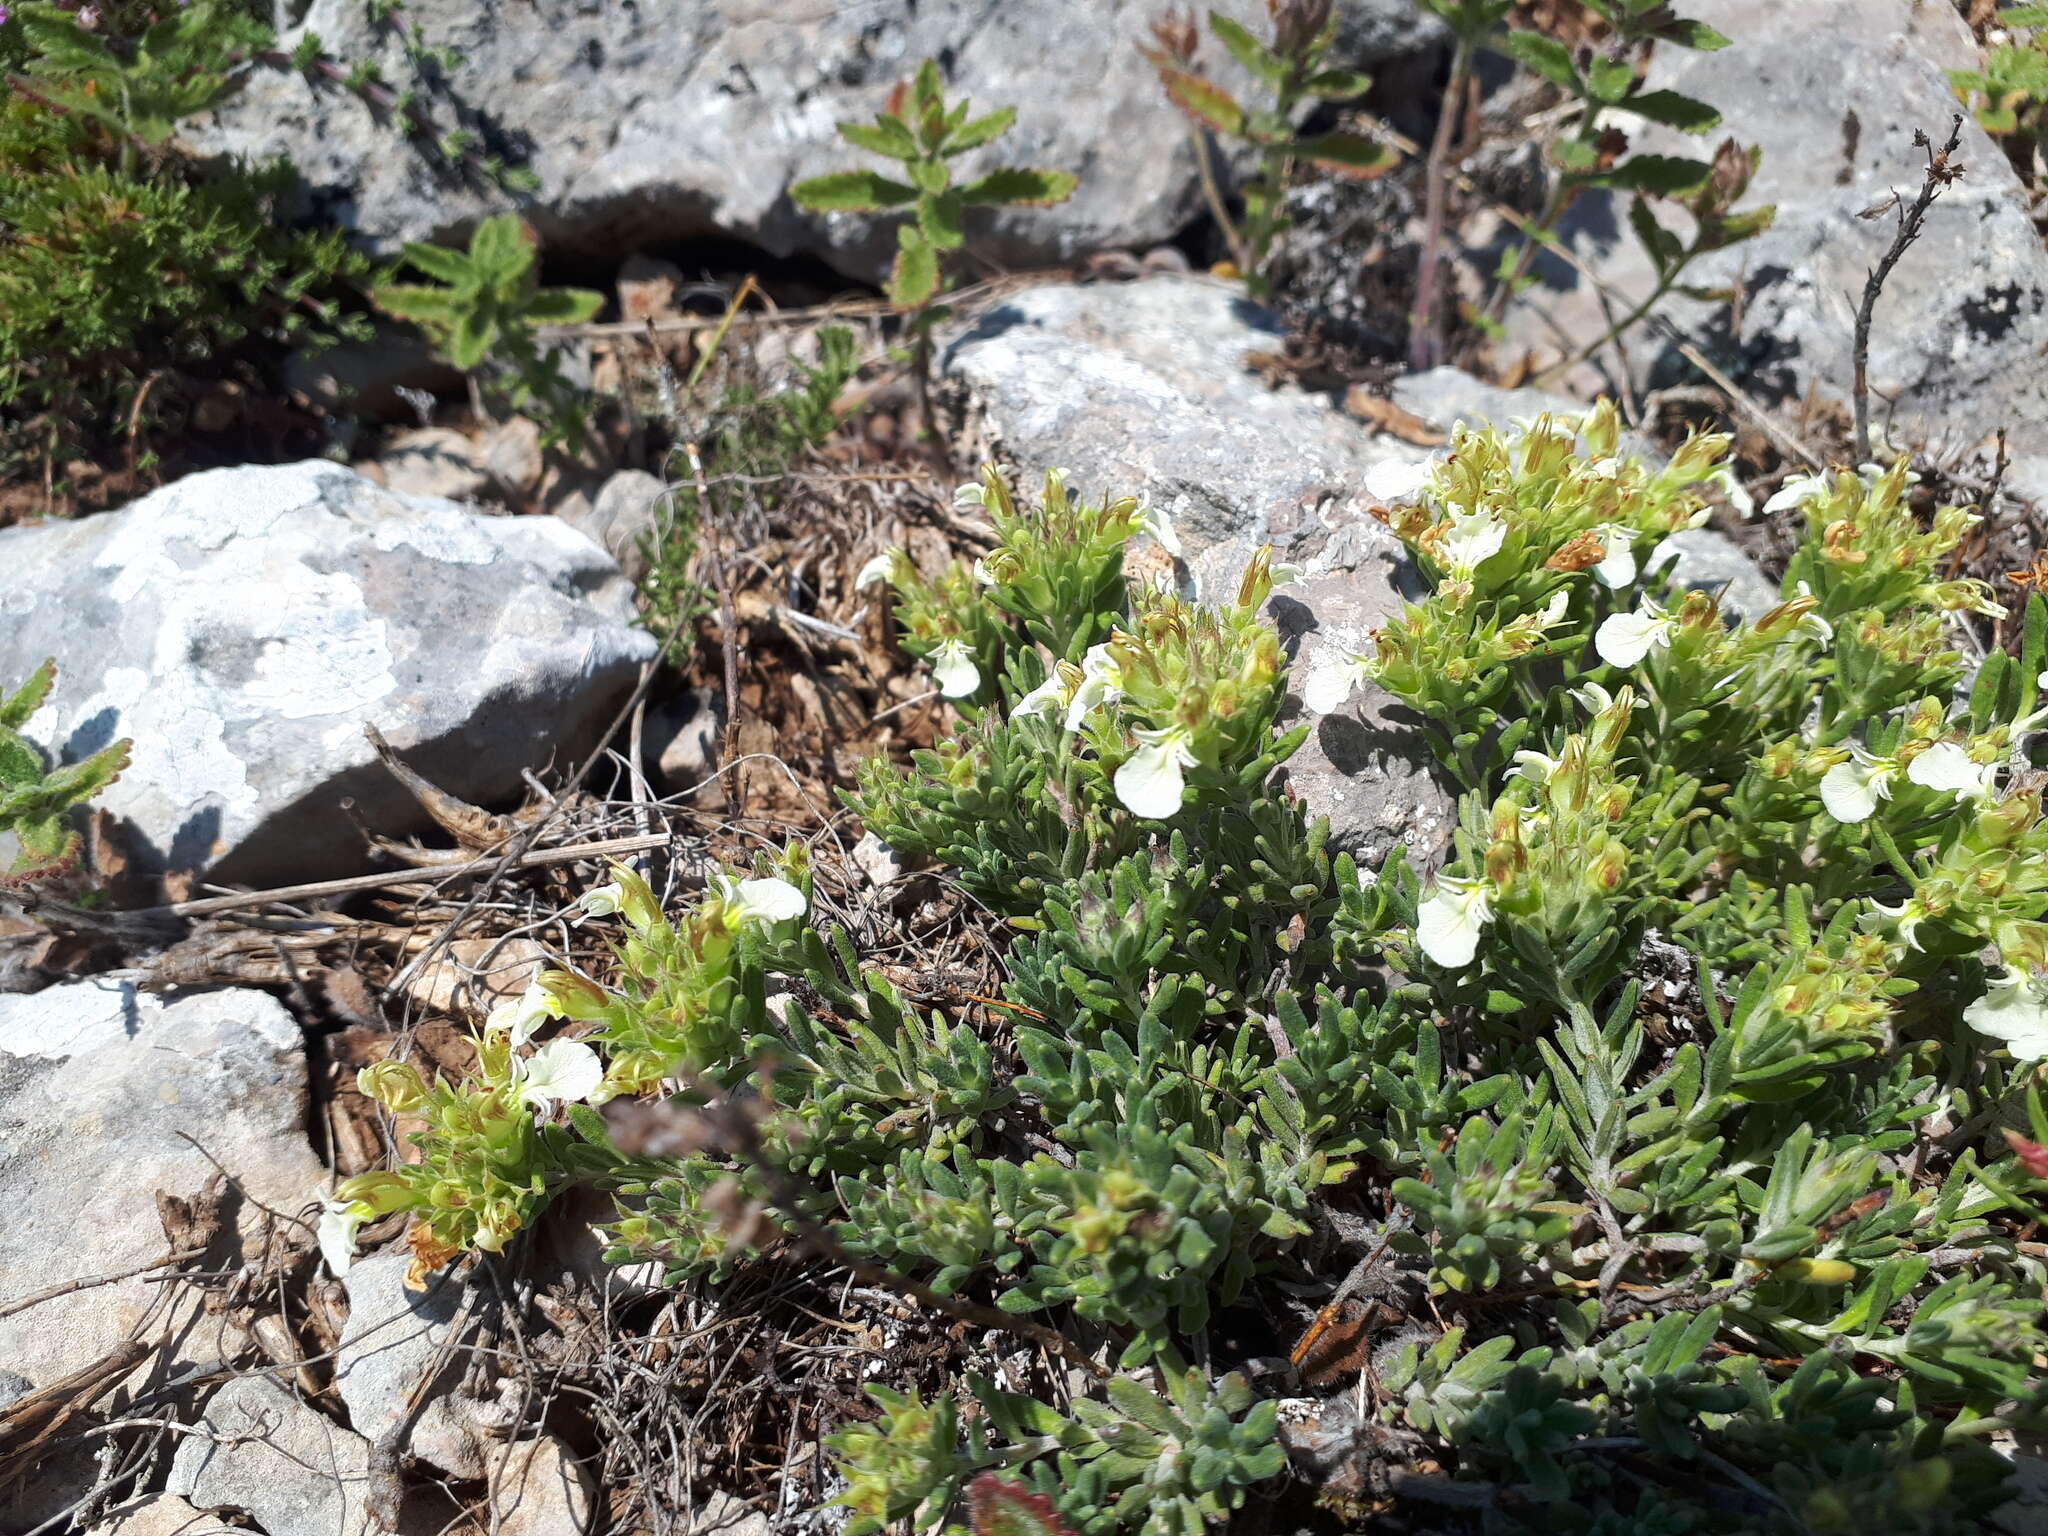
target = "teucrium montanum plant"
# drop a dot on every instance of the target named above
(1666, 1113)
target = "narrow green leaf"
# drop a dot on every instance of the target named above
(563, 306)
(1659, 175)
(1348, 154)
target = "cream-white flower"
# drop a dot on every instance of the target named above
(1473, 539)
(339, 1222)
(2014, 1009)
(1394, 480)
(1799, 490)
(519, 1017)
(1331, 679)
(1851, 791)
(1151, 782)
(1738, 497)
(1617, 568)
(877, 569)
(761, 901)
(982, 575)
(1448, 924)
(1536, 767)
(560, 1072)
(1597, 700)
(1945, 766)
(1102, 682)
(954, 669)
(1623, 639)
(1155, 522)
(1048, 696)
(1908, 915)
(601, 901)
(1285, 575)
(973, 494)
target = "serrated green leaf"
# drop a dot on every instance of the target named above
(886, 136)
(979, 131)
(1349, 154)
(851, 192)
(915, 277)
(1203, 99)
(1020, 185)
(1545, 55)
(1259, 60)
(1674, 110)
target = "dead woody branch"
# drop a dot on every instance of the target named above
(1942, 172)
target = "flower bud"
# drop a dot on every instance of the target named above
(573, 996)
(397, 1085)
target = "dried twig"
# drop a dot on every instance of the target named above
(606, 848)
(1942, 172)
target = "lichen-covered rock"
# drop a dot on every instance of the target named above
(244, 625)
(106, 1096)
(1833, 91)
(673, 120)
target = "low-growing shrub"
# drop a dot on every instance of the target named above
(1671, 1104)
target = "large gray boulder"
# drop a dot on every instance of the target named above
(244, 625)
(108, 1095)
(673, 120)
(1832, 91)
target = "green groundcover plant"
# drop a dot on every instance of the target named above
(1678, 1098)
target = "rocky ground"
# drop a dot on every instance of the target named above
(177, 1070)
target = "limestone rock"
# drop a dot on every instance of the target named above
(539, 1489)
(1832, 91)
(1365, 764)
(163, 1514)
(265, 1450)
(653, 124)
(243, 625)
(392, 1339)
(1143, 388)
(100, 1086)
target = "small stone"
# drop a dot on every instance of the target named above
(98, 1077)
(433, 461)
(163, 1514)
(720, 1514)
(877, 860)
(264, 1450)
(626, 512)
(647, 287)
(538, 1489)
(392, 1339)
(683, 737)
(513, 457)
(474, 975)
